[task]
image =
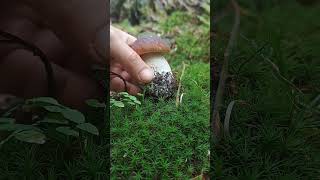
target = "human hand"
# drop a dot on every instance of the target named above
(126, 63)
(23, 74)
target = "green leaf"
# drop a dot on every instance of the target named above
(73, 115)
(14, 127)
(47, 100)
(95, 103)
(67, 131)
(7, 139)
(53, 121)
(31, 136)
(133, 98)
(131, 103)
(7, 120)
(137, 102)
(118, 104)
(89, 128)
(53, 109)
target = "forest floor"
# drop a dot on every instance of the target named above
(158, 139)
(272, 94)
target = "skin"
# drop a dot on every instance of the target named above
(71, 48)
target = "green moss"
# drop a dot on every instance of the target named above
(157, 138)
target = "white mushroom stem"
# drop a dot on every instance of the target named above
(157, 62)
(164, 83)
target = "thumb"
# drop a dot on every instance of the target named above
(131, 62)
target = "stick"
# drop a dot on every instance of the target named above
(179, 87)
(224, 71)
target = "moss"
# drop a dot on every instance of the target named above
(158, 139)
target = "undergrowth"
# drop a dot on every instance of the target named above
(274, 82)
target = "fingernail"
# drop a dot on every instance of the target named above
(146, 75)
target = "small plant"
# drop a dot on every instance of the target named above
(47, 118)
(123, 99)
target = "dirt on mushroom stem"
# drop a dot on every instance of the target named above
(151, 49)
(163, 85)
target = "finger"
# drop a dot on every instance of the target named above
(117, 85)
(22, 28)
(23, 74)
(77, 63)
(116, 68)
(121, 72)
(125, 75)
(126, 37)
(79, 24)
(130, 39)
(48, 42)
(131, 61)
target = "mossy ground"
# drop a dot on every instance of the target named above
(274, 129)
(157, 139)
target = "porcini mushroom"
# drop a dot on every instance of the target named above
(151, 49)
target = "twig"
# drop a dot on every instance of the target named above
(278, 74)
(275, 69)
(179, 87)
(224, 71)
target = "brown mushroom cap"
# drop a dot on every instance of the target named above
(150, 44)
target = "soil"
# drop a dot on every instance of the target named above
(164, 85)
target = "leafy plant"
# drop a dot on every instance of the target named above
(48, 118)
(123, 99)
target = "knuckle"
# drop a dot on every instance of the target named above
(134, 58)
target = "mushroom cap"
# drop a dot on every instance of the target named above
(149, 43)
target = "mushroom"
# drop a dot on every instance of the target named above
(151, 49)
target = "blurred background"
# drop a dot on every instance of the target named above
(271, 110)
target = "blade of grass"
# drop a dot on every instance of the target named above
(227, 118)
(179, 87)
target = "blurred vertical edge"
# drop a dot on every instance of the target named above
(107, 94)
(214, 82)
(213, 85)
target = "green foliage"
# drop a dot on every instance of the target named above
(47, 113)
(57, 147)
(274, 131)
(95, 103)
(124, 99)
